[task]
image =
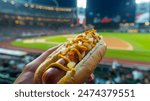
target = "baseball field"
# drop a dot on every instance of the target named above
(129, 46)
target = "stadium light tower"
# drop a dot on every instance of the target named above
(143, 11)
(81, 3)
(141, 1)
(81, 9)
(56, 2)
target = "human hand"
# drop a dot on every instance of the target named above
(27, 75)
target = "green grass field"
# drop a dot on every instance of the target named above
(140, 43)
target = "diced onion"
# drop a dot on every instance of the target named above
(72, 46)
(63, 49)
(84, 34)
(79, 43)
(71, 42)
(71, 64)
(91, 39)
(89, 36)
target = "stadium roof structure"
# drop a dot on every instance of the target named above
(26, 11)
(58, 3)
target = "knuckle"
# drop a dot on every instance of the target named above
(28, 67)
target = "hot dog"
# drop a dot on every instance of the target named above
(72, 62)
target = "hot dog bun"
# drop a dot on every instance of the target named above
(80, 72)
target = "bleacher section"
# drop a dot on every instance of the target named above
(16, 13)
(12, 66)
(34, 10)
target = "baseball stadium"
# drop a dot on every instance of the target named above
(30, 27)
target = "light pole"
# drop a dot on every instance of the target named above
(56, 2)
(149, 10)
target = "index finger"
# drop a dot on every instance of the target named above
(32, 66)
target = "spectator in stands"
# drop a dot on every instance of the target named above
(110, 81)
(137, 75)
(146, 80)
(99, 80)
(115, 64)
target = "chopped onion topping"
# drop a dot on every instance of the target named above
(72, 46)
(91, 39)
(84, 34)
(71, 64)
(79, 42)
(63, 49)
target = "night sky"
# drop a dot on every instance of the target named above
(111, 8)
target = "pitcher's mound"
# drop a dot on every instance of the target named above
(114, 43)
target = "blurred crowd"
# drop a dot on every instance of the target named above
(11, 67)
(9, 33)
(118, 74)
